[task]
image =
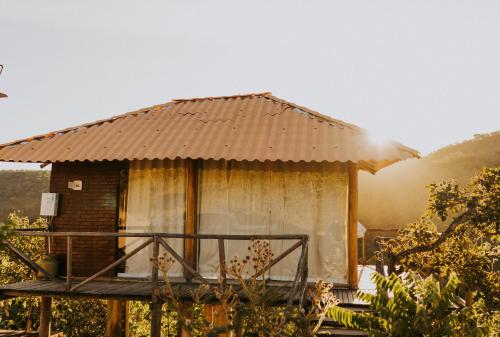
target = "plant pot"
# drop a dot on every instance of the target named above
(50, 264)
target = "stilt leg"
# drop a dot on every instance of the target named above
(115, 318)
(214, 313)
(45, 317)
(156, 318)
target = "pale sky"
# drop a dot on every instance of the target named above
(426, 73)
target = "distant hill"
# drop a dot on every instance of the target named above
(21, 190)
(397, 195)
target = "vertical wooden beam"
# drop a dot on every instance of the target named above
(156, 302)
(352, 226)
(127, 319)
(363, 250)
(191, 224)
(222, 262)
(469, 298)
(69, 262)
(214, 313)
(182, 330)
(122, 204)
(115, 318)
(45, 317)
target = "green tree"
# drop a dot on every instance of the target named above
(469, 244)
(80, 317)
(417, 307)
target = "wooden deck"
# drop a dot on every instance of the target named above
(139, 290)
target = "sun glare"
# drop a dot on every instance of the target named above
(378, 139)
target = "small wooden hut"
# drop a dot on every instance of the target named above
(194, 177)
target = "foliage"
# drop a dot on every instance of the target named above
(469, 246)
(18, 312)
(412, 306)
(21, 190)
(396, 195)
(73, 317)
(79, 317)
(11, 270)
(140, 318)
(249, 307)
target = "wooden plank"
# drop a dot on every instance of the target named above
(352, 226)
(191, 223)
(237, 237)
(298, 275)
(114, 264)
(222, 261)
(141, 290)
(182, 262)
(280, 257)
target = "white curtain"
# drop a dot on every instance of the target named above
(276, 198)
(156, 203)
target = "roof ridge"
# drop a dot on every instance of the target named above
(316, 114)
(337, 121)
(194, 99)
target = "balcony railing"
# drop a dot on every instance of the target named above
(70, 284)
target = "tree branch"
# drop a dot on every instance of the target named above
(443, 237)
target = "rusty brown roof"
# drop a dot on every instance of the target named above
(2, 95)
(241, 127)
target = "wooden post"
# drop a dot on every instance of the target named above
(352, 226)
(214, 313)
(115, 318)
(363, 250)
(191, 224)
(222, 262)
(183, 331)
(156, 302)
(469, 296)
(69, 262)
(122, 205)
(127, 319)
(45, 317)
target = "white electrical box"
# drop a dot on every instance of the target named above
(75, 185)
(49, 203)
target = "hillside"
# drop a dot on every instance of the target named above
(397, 195)
(21, 190)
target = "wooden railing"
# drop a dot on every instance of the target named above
(70, 284)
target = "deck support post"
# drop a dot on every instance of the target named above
(45, 317)
(156, 301)
(352, 226)
(156, 318)
(214, 313)
(116, 319)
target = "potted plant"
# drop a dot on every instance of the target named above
(49, 263)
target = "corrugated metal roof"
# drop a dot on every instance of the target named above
(242, 127)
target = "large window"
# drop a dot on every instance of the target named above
(276, 198)
(244, 198)
(156, 203)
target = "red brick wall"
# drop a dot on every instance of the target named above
(93, 209)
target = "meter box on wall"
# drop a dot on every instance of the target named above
(49, 204)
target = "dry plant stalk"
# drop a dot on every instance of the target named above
(253, 311)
